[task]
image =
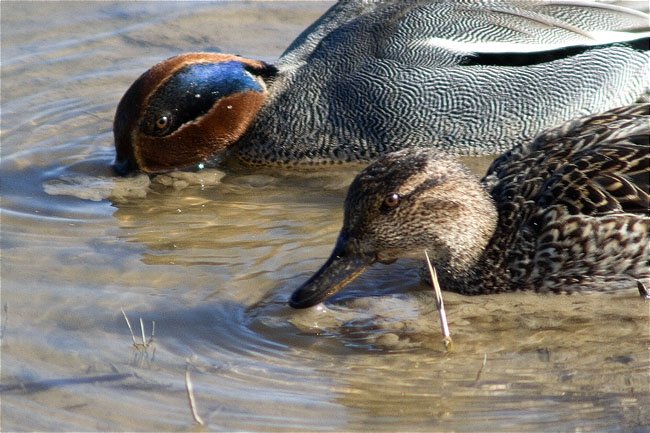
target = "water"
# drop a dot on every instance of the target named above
(213, 257)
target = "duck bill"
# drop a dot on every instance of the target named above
(124, 166)
(340, 269)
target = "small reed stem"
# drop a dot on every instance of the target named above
(440, 306)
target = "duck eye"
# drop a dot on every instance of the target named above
(392, 200)
(162, 122)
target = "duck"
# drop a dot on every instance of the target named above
(564, 213)
(367, 78)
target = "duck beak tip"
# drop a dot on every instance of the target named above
(334, 275)
(124, 167)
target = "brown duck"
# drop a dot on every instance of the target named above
(567, 212)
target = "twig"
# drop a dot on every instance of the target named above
(3, 327)
(135, 343)
(144, 338)
(153, 331)
(439, 304)
(480, 370)
(145, 343)
(190, 394)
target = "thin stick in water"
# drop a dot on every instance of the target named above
(144, 338)
(439, 304)
(480, 370)
(190, 395)
(129, 325)
(153, 330)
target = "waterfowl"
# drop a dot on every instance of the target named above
(367, 78)
(566, 212)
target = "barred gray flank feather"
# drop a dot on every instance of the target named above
(468, 77)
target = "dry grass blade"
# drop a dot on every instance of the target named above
(439, 304)
(145, 343)
(190, 395)
(135, 343)
(144, 337)
(3, 327)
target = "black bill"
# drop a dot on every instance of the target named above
(341, 268)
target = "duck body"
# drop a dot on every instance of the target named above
(566, 212)
(467, 77)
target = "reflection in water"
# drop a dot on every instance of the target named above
(212, 258)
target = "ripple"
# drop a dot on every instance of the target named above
(213, 258)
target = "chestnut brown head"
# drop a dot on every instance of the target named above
(186, 110)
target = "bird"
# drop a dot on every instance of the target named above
(367, 78)
(566, 212)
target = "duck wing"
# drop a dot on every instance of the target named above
(594, 165)
(573, 205)
(449, 32)
(467, 77)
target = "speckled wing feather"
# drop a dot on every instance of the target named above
(592, 165)
(573, 204)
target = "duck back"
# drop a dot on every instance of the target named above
(470, 78)
(573, 207)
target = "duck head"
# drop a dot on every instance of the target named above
(400, 205)
(186, 110)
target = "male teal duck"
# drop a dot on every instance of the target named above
(470, 77)
(567, 212)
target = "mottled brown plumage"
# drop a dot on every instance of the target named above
(567, 212)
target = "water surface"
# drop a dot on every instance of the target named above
(212, 258)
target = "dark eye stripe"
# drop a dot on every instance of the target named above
(192, 92)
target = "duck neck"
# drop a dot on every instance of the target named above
(478, 278)
(464, 268)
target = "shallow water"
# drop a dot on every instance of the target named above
(212, 258)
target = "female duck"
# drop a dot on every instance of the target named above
(567, 212)
(469, 77)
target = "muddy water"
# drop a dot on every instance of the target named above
(212, 257)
